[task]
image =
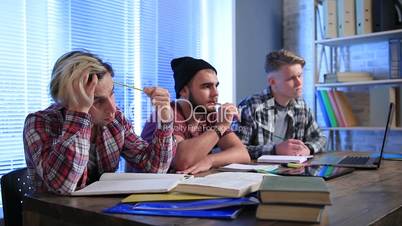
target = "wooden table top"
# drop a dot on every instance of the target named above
(360, 198)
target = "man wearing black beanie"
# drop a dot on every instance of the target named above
(198, 125)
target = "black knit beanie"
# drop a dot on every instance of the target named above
(184, 69)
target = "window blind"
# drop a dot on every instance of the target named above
(138, 37)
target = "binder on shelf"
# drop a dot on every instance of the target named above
(323, 110)
(328, 108)
(386, 15)
(346, 18)
(345, 109)
(364, 21)
(395, 58)
(337, 110)
(329, 17)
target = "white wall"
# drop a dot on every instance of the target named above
(258, 30)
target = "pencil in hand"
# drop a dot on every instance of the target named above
(132, 87)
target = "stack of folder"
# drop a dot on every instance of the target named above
(178, 204)
(293, 198)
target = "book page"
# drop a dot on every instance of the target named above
(141, 176)
(234, 181)
(109, 187)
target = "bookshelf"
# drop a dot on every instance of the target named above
(327, 60)
(357, 39)
(360, 128)
(388, 82)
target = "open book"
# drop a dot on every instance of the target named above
(128, 183)
(225, 184)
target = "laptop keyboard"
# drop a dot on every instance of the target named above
(355, 160)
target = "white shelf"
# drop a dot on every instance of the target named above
(367, 128)
(360, 83)
(365, 38)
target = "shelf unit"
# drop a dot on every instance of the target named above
(335, 43)
(388, 82)
(366, 38)
(360, 128)
(326, 54)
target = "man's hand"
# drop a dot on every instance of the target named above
(160, 98)
(225, 116)
(201, 166)
(292, 147)
(82, 93)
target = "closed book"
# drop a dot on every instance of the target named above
(294, 190)
(225, 184)
(300, 213)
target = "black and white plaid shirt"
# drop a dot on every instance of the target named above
(257, 124)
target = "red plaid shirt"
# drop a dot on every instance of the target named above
(57, 144)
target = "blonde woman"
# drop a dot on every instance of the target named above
(72, 142)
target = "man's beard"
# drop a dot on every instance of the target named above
(198, 107)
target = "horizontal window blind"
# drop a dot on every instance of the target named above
(138, 37)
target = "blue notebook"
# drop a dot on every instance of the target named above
(221, 213)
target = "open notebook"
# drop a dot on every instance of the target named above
(283, 159)
(129, 183)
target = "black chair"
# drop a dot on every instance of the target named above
(14, 186)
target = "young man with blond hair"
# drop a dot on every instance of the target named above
(277, 120)
(83, 134)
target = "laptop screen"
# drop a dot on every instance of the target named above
(389, 118)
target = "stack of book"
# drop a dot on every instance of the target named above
(347, 77)
(293, 198)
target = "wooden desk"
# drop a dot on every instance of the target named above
(365, 197)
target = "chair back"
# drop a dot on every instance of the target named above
(14, 186)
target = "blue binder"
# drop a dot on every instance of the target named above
(196, 205)
(223, 208)
(221, 213)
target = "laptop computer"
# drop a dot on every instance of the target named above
(355, 159)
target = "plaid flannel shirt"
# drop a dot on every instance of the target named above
(57, 143)
(256, 125)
